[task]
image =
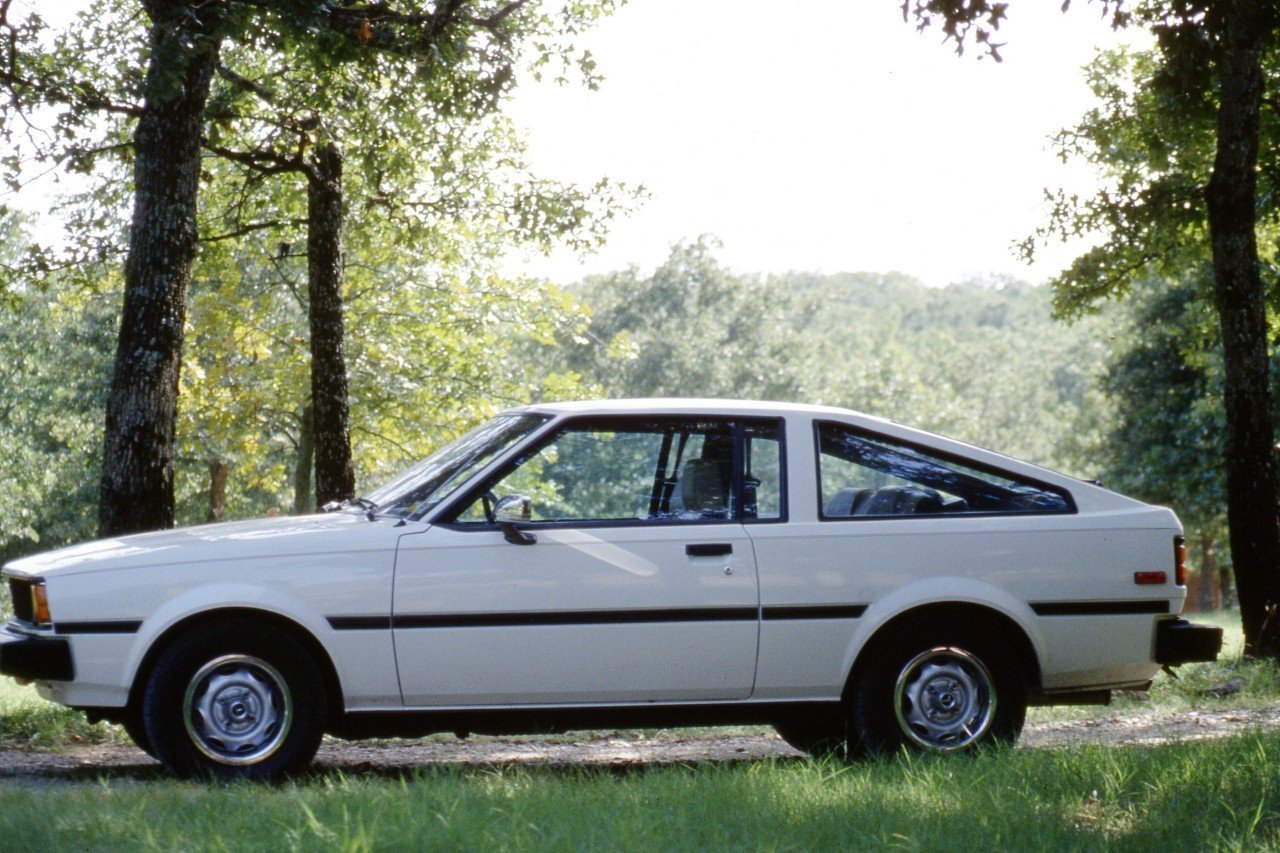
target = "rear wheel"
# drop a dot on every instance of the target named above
(937, 691)
(235, 700)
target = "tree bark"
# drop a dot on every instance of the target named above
(335, 473)
(217, 490)
(137, 470)
(1253, 494)
(304, 500)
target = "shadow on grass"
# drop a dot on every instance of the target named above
(566, 769)
(43, 773)
(21, 767)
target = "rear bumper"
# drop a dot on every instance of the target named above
(1179, 641)
(35, 658)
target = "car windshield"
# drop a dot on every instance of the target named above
(420, 488)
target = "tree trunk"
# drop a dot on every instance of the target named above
(1253, 496)
(304, 500)
(335, 474)
(137, 465)
(217, 490)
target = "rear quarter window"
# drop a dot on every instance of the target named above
(864, 475)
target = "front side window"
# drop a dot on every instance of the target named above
(641, 471)
(872, 476)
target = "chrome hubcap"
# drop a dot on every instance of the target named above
(237, 709)
(945, 699)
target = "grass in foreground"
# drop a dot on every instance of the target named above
(1207, 795)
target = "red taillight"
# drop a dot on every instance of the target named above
(1180, 561)
(1147, 578)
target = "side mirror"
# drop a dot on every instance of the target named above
(511, 511)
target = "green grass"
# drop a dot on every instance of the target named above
(26, 720)
(1207, 795)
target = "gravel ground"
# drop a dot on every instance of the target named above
(615, 751)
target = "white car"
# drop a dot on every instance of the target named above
(859, 584)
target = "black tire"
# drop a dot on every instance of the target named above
(937, 690)
(234, 700)
(137, 731)
(814, 741)
(819, 733)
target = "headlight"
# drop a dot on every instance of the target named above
(30, 601)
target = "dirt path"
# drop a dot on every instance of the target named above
(611, 750)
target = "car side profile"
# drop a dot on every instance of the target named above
(861, 585)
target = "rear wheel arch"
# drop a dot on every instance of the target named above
(960, 615)
(304, 637)
(940, 677)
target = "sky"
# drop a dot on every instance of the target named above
(821, 135)
(813, 135)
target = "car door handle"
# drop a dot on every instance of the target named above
(709, 549)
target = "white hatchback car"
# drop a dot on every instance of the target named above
(858, 584)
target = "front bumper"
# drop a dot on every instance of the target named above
(35, 658)
(1179, 641)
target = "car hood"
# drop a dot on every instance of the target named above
(236, 540)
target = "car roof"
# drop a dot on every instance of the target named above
(684, 405)
(1088, 496)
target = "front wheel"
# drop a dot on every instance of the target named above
(235, 700)
(137, 731)
(938, 692)
(817, 732)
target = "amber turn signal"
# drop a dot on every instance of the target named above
(1180, 561)
(40, 605)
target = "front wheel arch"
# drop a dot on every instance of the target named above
(235, 700)
(196, 621)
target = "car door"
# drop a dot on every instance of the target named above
(640, 587)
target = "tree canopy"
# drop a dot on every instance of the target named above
(269, 87)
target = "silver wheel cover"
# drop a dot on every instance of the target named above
(237, 709)
(945, 699)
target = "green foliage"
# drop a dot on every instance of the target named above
(1165, 445)
(436, 189)
(981, 361)
(691, 329)
(428, 357)
(55, 355)
(27, 721)
(1151, 139)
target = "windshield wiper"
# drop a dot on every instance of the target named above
(367, 505)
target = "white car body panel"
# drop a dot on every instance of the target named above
(314, 570)
(600, 571)
(164, 578)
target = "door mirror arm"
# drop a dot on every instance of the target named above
(511, 513)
